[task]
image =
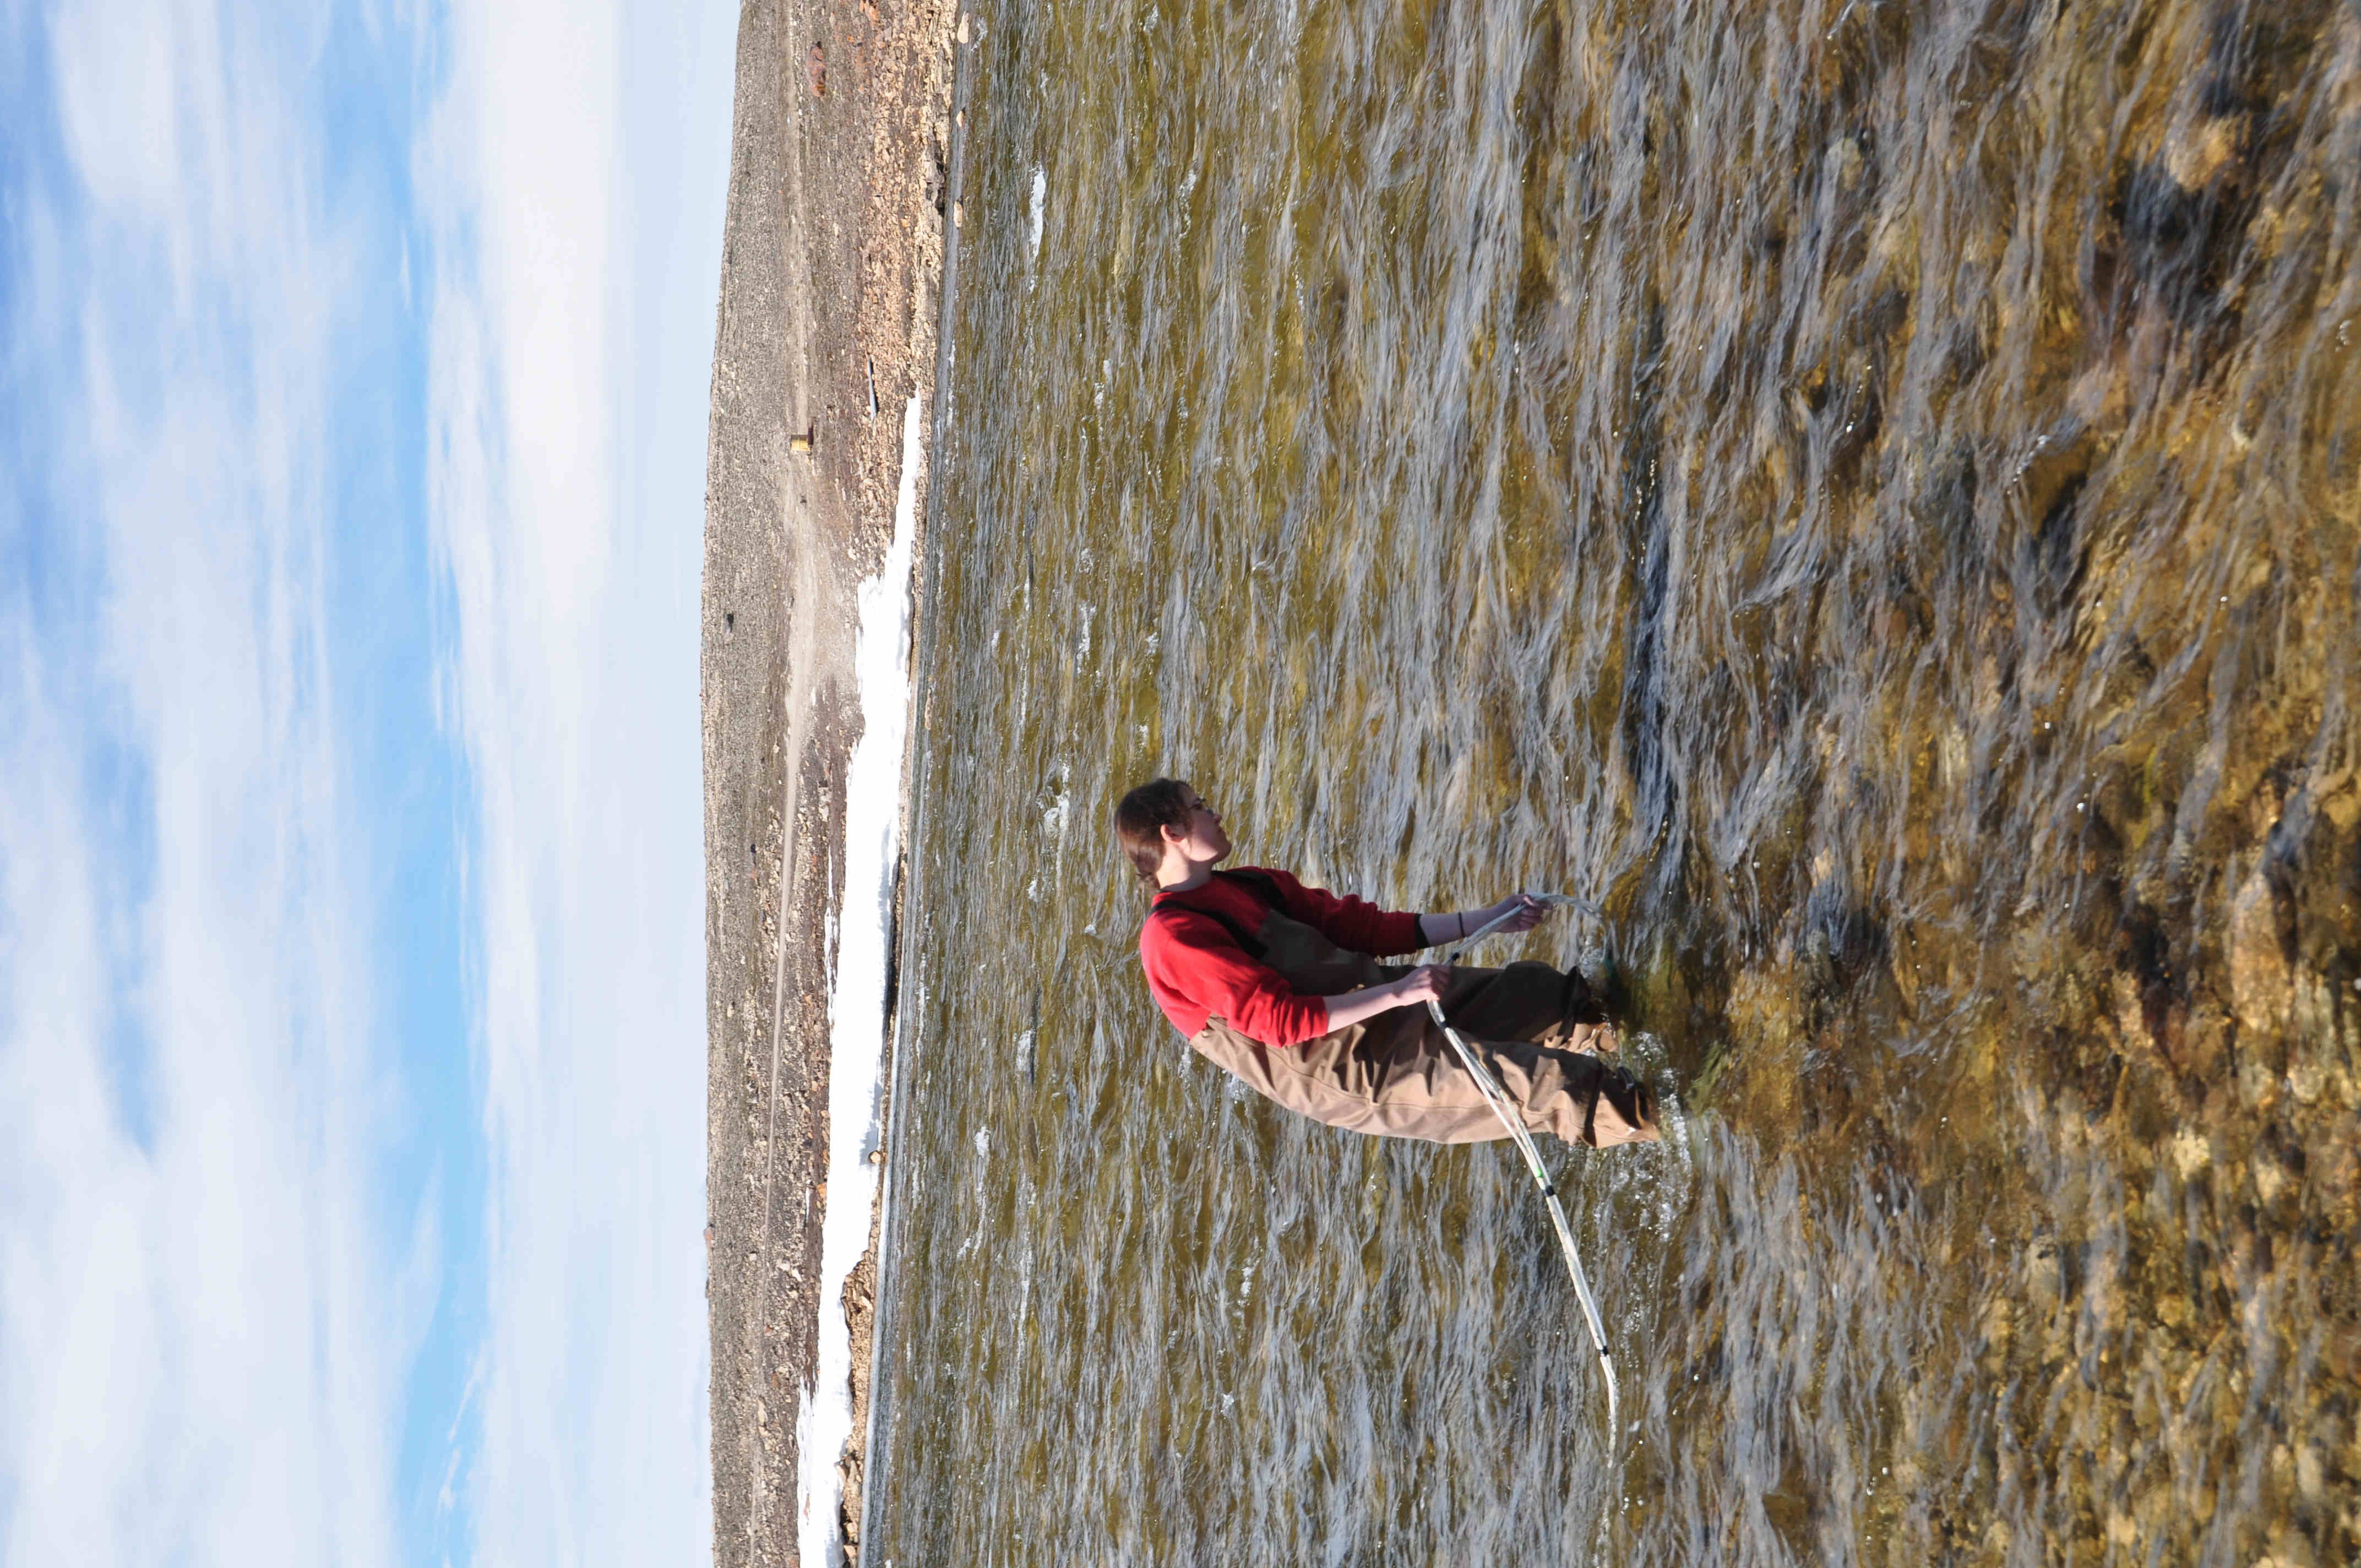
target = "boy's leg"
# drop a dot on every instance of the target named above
(1537, 1026)
(1574, 1096)
(1528, 1002)
(1395, 1076)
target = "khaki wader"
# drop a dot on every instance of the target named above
(1395, 1076)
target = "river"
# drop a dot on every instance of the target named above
(1868, 494)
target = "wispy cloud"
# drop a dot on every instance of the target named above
(348, 562)
(578, 160)
(205, 1313)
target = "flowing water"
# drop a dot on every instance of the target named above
(1866, 492)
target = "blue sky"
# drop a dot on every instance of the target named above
(351, 434)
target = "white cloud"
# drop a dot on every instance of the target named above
(199, 1352)
(578, 160)
(208, 1302)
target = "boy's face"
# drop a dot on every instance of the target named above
(1200, 837)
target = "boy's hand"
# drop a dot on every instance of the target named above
(1524, 909)
(1421, 984)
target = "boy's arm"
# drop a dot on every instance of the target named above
(1351, 922)
(1362, 927)
(1460, 924)
(1190, 956)
(1418, 986)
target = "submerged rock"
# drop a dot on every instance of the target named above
(2261, 984)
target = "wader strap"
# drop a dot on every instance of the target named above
(1260, 887)
(1265, 891)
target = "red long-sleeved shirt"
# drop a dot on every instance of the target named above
(1196, 971)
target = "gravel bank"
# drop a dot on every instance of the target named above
(831, 266)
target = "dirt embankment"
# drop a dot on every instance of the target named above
(831, 266)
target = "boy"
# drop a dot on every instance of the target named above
(1278, 983)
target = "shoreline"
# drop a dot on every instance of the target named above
(860, 1003)
(910, 889)
(833, 260)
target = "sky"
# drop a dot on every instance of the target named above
(353, 383)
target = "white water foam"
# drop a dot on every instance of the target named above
(872, 807)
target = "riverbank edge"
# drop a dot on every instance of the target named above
(833, 262)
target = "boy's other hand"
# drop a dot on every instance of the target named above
(1422, 985)
(1523, 909)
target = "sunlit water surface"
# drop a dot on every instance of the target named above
(1868, 493)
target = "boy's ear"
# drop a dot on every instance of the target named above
(1170, 834)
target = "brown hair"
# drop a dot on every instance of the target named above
(1140, 819)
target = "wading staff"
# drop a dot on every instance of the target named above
(1498, 1098)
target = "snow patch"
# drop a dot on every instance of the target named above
(872, 808)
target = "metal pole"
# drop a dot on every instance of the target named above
(1497, 1099)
